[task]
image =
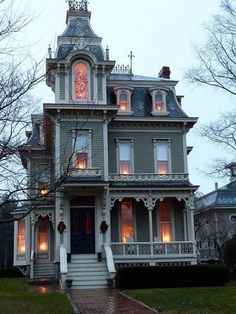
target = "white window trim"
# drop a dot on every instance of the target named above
(73, 82)
(89, 132)
(134, 220)
(128, 90)
(154, 91)
(159, 223)
(155, 143)
(131, 142)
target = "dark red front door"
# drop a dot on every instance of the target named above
(82, 230)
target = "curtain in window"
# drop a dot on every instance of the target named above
(81, 81)
(123, 101)
(125, 158)
(127, 223)
(159, 103)
(21, 237)
(162, 157)
(43, 234)
(165, 209)
(81, 149)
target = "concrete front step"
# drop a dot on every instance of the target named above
(87, 273)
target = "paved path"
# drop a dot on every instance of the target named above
(106, 301)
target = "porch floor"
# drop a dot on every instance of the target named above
(106, 301)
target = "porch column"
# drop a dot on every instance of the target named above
(190, 222)
(150, 209)
(32, 248)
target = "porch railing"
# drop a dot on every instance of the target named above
(147, 249)
(140, 177)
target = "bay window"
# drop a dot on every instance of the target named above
(21, 239)
(127, 221)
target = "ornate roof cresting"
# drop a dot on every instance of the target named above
(81, 5)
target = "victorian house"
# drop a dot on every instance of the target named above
(107, 165)
(215, 218)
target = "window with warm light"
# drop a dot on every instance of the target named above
(123, 101)
(43, 234)
(165, 215)
(127, 221)
(43, 179)
(81, 90)
(82, 147)
(162, 157)
(123, 96)
(159, 102)
(125, 158)
(21, 238)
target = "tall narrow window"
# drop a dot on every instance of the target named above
(159, 102)
(21, 238)
(43, 234)
(82, 150)
(127, 221)
(125, 164)
(123, 101)
(162, 157)
(81, 81)
(165, 211)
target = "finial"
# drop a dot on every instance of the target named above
(49, 52)
(131, 56)
(107, 53)
(81, 5)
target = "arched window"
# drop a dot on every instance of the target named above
(123, 101)
(159, 102)
(81, 90)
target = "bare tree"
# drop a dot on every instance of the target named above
(216, 59)
(16, 82)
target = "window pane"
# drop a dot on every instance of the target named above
(127, 229)
(125, 167)
(124, 151)
(159, 106)
(158, 97)
(81, 144)
(162, 167)
(162, 151)
(81, 160)
(81, 81)
(21, 237)
(43, 234)
(165, 209)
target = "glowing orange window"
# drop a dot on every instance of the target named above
(21, 237)
(81, 81)
(82, 147)
(125, 158)
(43, 234)
(165, 220)
(159, 103)
(127, 221)
(123, 101)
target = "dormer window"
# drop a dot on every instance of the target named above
(81, 88)
(123, 96)
(158, 101)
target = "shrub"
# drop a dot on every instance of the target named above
(171, 276)
(11, 273)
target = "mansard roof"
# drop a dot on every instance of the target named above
(224, 197)
(65, 49)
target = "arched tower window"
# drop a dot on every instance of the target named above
(81, 89)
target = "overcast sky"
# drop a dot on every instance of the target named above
(159, 32)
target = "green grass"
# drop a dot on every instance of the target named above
(212, 300)
(16, 297)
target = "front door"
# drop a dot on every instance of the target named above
(82, 230)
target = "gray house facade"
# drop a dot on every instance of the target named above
(107, 167)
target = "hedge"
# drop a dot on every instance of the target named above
(171, 276)
(11, 273)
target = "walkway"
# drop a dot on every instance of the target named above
(106, 301)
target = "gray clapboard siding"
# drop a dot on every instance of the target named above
(143, 150)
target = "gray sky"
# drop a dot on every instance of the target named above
(159, 33)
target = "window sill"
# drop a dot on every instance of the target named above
(160, 113)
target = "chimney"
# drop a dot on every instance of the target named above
(164, 73)
(216, 186)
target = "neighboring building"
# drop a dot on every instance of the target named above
(215, 218)
(113, 147)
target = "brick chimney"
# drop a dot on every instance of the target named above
(164, 73)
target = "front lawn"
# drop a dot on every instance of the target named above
(212, 300)
(16, 297)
